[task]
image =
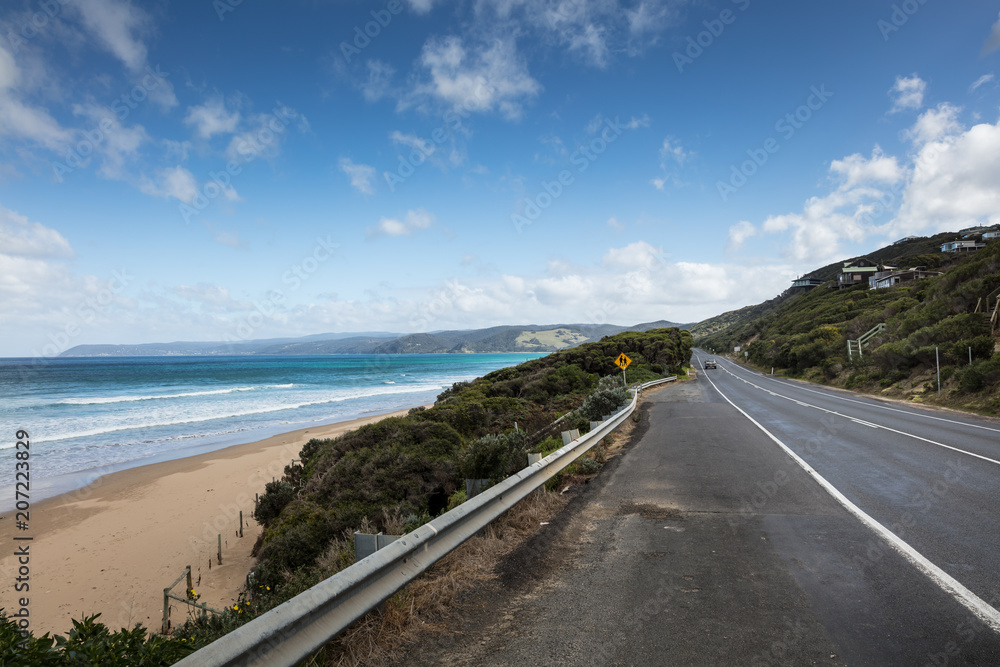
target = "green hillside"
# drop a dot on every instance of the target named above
(920, 251)
(805, 333)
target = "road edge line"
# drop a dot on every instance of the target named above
(983, 611)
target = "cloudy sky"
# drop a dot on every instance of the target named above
(181, 170)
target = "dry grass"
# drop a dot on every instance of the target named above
(428, 604)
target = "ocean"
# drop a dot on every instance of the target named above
(90, 416)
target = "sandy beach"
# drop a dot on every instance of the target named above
(112, 547)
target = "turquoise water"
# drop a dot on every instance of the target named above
(91, 416)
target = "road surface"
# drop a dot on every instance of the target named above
(708, 543)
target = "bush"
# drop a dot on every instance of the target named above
(90, 643)
(609, 396)
(495, 457)
(300, 534)
(456, 499)
(276, 496)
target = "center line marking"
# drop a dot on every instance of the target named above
(855, 419)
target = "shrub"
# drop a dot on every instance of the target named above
(609, 396)
(456, 499)
(90, 643)
(300, 534)
(276, 496)
(495, 457)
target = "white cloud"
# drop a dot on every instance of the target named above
(907, 93)
(115, 23)
(212, 118)
(379, 80)
(20, 120)
(951, 181)
(9, 72)
(819, 231)
(934, 124)
(955, 183)
(984, 79)
(361, 175)
(639, 254)
(413, 142)
(176, 182)
(672, 157)
(595, 31)
(22, 238)
(486, 78)
(421, 6)
(265, 135)
(614, 224)
(413, 221)
(673, 150)
(118, 144)
(180, 184)
(635, 123)
(993, 41)
(739, 233)
(858, 170)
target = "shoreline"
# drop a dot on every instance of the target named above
(112, 546)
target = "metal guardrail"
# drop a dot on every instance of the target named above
(292, 631)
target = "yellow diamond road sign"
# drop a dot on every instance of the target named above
(622, 361)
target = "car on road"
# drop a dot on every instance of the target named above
(710, 363)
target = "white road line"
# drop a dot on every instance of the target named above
(860, 421)
(878, 406)
(949, 584)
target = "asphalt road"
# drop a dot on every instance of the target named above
(707, 543)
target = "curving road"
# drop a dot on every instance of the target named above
(757, 521)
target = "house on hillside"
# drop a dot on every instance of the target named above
(989, 236)
(970, 245)
(883, 279)
(807, 282)
(859, 272)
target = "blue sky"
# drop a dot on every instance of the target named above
(223, 170)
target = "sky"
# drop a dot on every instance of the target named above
(228, 170)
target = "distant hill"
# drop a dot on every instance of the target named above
(527, 338)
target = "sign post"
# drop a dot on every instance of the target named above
(622, 362)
